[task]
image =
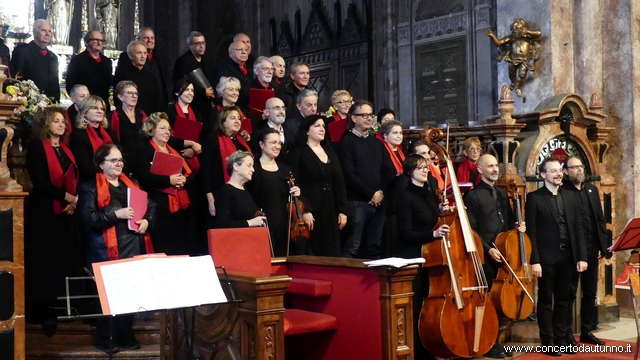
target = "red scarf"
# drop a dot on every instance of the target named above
(96, 141)
(69, 123)
(194, 163)
(397, 163)
(434, 170)
(227, 147)
(115, 121)
(181, 199)
(243, 69)
(109, 233)
(379, 136)
(464, 172)
(44, 52)
(150, 55)
(58, 178)
(337, 127)
(97, 59)
(278, 80)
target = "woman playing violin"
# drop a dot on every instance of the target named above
(416, 220)
(271, 193)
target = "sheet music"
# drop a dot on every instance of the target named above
(394, 261)
(160, 283)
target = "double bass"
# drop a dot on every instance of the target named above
(457, 318)
(512, 288)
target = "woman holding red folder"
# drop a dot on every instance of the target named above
(90, 132)
(220, 144)
(52, 251)
(184, 92)
(104, 212)
(173, 234)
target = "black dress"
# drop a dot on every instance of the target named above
(233, 207)
(130, 137)
(52, 248)
(325, 192)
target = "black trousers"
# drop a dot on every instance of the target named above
(589, 282)
(420, 290)
(554, 293)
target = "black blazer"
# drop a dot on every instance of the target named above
(149, 95)
(543, 228)
(604, 241)
(29, 64)
(153, 65)
(185, 64)
(96, 76)
(82, 150)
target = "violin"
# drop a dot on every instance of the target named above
(457, 318)
(295, 207)
(512, 288)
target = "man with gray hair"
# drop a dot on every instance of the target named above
(196, 58)
(306, 105)
(263, 77)
(236, 66)
(91, 68)
(34, 62)
(300, 76)
(149, 99)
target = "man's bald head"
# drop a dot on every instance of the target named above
(238, 52)
(487, 158)
(488, 168)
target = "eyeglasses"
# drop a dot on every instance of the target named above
(342, 102)
(422, 168)
(266, 68)
(474, 150)
(199, 43)
(364, 116)
(278, 108)
(240, 50)
(97, 40)
(553, 171)
(115, 162)
(275, 143)
(131, 93)
(575, 167)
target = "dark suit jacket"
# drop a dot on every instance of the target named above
(604, 242)
(149, 99)
(153, 65)
(185, 64)
(229, 67)
(263, 125)
(96, 76)
(543, 228)
(29, 64)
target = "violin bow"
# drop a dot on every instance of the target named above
(513, 273)
(266, 223)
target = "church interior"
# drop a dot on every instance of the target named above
(561, 85)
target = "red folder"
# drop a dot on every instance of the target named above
(629, 238)
(166, 165)
(257, 100)
(186, 129)
(137, 199)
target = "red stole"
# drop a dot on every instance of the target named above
(115, 121)
(434, 170)
(58, 178)
(150, 55)
(397, 163)
(464, 172)
(337, 127)
(379, 136)
(69, 123)
(109, 233)
(181, 199)
(227, 147)
(243, 69)
(96, 141)
(194, 163)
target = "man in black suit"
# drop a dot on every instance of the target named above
(306, 105)
(263, 77)
(276, 114)
(489, 215)
(34, 62)
(597, 242)
(91, 68)
(236, 66)
(558, 250)
(300, 77)
(149, 99)
(193, 59)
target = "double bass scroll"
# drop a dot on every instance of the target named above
(457, 318)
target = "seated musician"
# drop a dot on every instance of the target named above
(489, 215)
(103, 209)
(271, 192)
(220, 144)
(468, 171)
(416, 221)
(235, 206)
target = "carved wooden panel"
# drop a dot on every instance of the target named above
(441, 83)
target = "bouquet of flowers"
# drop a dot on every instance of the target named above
(32, 100)
(329, 113)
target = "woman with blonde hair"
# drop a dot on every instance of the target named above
(51, 249)
(173, 233)
(229, 89)
(90, 132)
(468, 169)
(341, 101)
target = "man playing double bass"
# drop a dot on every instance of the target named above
(557, 251)
(490, 214)
(597, 243)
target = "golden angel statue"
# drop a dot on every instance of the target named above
(60, 14)
(520, 50)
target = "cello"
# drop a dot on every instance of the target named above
(295, 207)
(512, 288)
(457, 318)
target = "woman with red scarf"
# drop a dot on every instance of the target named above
(220, 144)
(127, 120)
(391, 132)
(90, 132)
(229, 90)
(104, 213)
(468, 171)
(341, 101)
(174, 231)
(51, 249)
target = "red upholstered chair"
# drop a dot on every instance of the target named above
(248, 250)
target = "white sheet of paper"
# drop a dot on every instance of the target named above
(161, 283)
(394, 261)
